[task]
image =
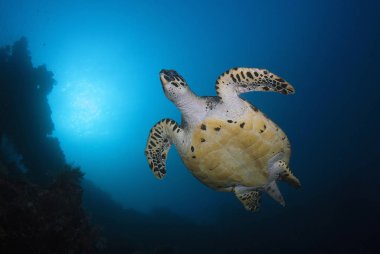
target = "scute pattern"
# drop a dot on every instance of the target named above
(224, 153)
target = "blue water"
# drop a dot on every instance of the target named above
(106, 56)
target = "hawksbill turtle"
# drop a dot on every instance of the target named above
(226, 143)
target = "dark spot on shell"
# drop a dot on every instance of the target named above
(203, 140)
(217, 128)
(242, 125)
(203, 127)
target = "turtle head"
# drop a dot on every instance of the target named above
(175, 87)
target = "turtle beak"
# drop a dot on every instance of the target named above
(163, 77)
(167, 76)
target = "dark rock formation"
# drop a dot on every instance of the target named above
(25, 115)
(36, 219)
(40, 195)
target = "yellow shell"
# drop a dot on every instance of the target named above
(224, 153)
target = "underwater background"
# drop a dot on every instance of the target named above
(80, 90)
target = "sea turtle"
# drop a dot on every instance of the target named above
(226, 142)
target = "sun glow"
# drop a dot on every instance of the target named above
(87, 111)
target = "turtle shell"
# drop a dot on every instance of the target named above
(228, 152)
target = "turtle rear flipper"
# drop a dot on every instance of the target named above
(242, 80)
(250, 199)
(286, 175)
(160, 139)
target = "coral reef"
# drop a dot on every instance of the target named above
(36, 219)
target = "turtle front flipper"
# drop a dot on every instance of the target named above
(241, 80)
(160, 139)
(250, 199)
